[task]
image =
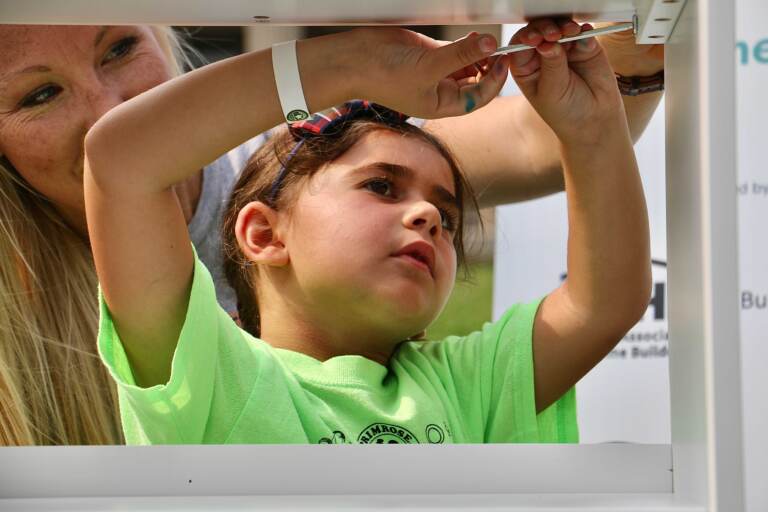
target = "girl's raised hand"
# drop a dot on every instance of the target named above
(571, 85)
(423, 77)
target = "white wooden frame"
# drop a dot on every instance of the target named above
(702, 470)
(702, 247)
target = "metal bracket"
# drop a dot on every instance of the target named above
(657, 19)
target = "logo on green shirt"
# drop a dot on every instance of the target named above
(337, 437)
(384, 433)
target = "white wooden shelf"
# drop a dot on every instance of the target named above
(706, 453)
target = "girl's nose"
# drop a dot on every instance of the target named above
(424, 216)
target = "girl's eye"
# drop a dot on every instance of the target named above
(40, 96)
(120, 49)
(380, 186)
(450, 222)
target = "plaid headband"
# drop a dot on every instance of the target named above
(331, 122)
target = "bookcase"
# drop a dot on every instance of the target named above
(702, 470)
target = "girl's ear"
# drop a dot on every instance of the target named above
(257, 237)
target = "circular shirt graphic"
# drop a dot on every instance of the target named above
(435, 434)
(384, 433)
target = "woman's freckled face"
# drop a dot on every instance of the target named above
(55, 82)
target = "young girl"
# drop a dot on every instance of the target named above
(342, 239)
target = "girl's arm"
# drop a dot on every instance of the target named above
(140, 149)
(609, 272)
(527, 165)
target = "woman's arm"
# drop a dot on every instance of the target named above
(608, 284)
(140, 149)
(509, 153)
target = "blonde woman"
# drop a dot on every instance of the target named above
(55, 82)
(53, 390)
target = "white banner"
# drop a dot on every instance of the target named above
(752, 114)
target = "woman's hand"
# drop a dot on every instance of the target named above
(571, 85)
(420, 76)
(628, 58)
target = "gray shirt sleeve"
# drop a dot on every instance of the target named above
(219, 178)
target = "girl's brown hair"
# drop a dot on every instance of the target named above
(259, 175)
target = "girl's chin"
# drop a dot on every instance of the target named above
(410, 321)
(411, 307)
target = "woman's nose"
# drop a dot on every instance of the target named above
(99, 99)
(424, 216)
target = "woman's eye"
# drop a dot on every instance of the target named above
(380, 186)
(120, 49)
(40, 96)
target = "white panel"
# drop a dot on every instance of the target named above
(341, 469)
(582, 502)
(703, 227)
(702, 241)
(306, 12)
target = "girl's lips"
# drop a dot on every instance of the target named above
(419, 253)
(411, 260)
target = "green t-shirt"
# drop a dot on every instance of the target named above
(228, 387)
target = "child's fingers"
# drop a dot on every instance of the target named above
(546, 29)
(467, 72)
(538, 31)
(485, 65)
(553, 78)
(524, 66)
(489, 86)
(526, 62)
(467, 96)
(583, 49)
(541, 69)
(446, 60)
(479, 71)
(472, 69)
(549, 30)
(568, 27)
(478, 68)
(529, 35)
(587, 59)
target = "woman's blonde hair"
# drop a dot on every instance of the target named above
(53, 387)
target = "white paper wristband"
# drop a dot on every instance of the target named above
(286, 68)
